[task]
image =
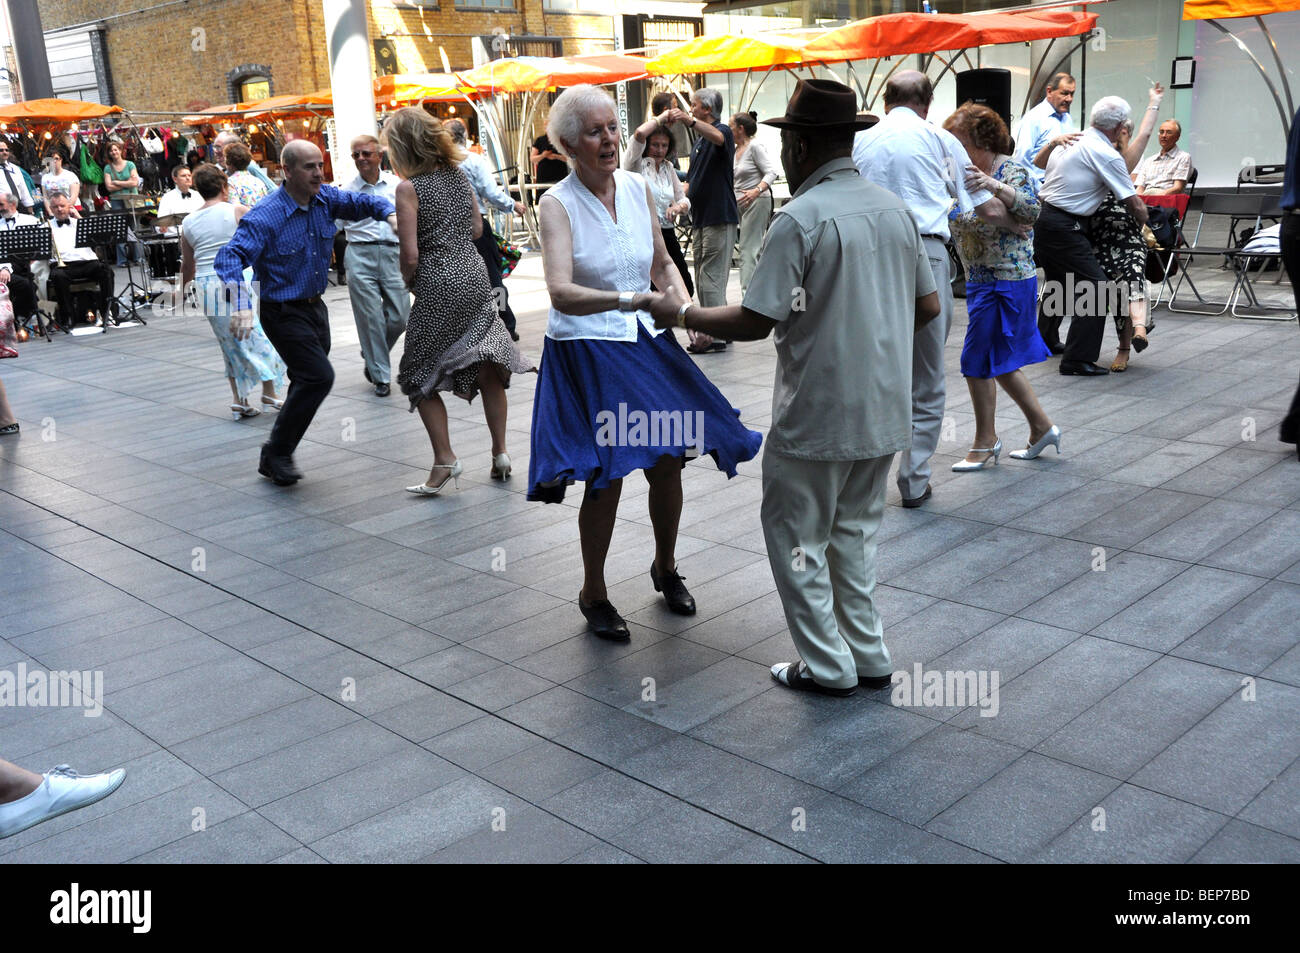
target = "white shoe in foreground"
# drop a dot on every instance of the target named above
(62, 791)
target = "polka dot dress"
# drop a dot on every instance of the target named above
(454, 326)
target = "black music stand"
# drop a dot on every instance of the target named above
(96, 230)
(29, 243)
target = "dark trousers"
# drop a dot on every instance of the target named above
(22, 295)
(300, 331)
(61, 280)
(1062, 248)
(675, 253)
(1289, 431)
(487, 247)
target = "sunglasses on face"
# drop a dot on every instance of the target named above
(358, 155)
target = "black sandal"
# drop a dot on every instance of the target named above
(9, 428)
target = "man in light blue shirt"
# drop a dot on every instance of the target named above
(925, 166)
(1046, 121)
(487, 192)
(380, 301)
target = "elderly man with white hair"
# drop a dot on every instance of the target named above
(17, 276)
(1079, 177)
(287, 241)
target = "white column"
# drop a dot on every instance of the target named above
(348, 41)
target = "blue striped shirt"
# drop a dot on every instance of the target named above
(288, 247)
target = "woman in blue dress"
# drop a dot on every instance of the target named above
(1001, 291)
(614, 394)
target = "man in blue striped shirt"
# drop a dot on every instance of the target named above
(287, 241)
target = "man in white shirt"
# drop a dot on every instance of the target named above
(1046, 121)
(11, 178)
(183, 198)
(80, 264)
(1079, 177)
(17, 276)
(380, 300)
(925, 166)
(1167, 172)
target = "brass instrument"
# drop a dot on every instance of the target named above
(58, 256)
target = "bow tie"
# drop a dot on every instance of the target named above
(10, 220)
(66, 222)
(185, 195)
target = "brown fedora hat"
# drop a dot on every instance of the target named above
(822, 104)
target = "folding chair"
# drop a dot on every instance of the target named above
(1236, 207)
(1242, 261)
(1259, 179)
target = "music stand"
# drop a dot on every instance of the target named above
(28, 243)
(110, 230)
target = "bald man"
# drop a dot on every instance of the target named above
(287, 240)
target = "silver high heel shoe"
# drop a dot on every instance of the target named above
(1051, 438)
(453, 473)
(961, 466)
(501, 466)
(239, 411)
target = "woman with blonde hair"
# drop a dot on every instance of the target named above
(455, 339)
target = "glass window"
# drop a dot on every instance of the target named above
(254, 88)
(484, 4)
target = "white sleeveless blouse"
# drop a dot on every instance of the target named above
(607, 255)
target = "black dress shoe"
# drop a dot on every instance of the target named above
(917, 501)
(1058, 348)
(1081, 369)
(875, 681)
(366, 371)
(674, 590)
(604, 621)
(514, 335)
(382, 390)
(279, 468)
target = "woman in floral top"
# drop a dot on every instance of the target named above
(245, 188)
(1001, 290)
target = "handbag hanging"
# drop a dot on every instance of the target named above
(91, 171)
(508, 255)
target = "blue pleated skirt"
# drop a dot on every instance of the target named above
(1002, 330)
(605, 408)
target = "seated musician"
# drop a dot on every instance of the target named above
(79, 264)
(183, 198)
(17, 275)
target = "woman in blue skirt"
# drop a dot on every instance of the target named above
(614, 394)
(1001, 290)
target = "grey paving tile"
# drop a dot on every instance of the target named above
(499, 688)
(1250, 635)
(1286, 669)
(1232, 754)
(540, 771)
(263, 734)
(681, 833)
(693, 700)
(450, 665)
(1022, 808)
(1278, 806)
(1242, 843)
(1266, 549)
(1033, 705)
(604, 854)
(1168, 615)
(933, 631)
(1137, 721)
(481, 742)
(623, 682)
(363, 792)
(607, 802)
(246, 839)
(530, 836)
(1032, 577)
(1093, 597)
(303, 855)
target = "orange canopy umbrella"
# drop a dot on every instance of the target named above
(728, 54)
(522, 74)
(893, 34)
(1229, 9)
(56, 110)
(405, 88)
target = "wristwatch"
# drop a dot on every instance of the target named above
(681, 314)
(625, 299)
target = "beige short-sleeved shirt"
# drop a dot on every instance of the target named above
(840, 271)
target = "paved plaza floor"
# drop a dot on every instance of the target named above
(341, 671)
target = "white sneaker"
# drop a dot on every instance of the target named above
(63, 790)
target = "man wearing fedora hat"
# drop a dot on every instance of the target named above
(844, 283)
(925, 166)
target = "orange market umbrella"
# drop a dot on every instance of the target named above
(55, 110)
(404, 88)
(1229, 9)
(894, 34)
(522, 74)
(728, 54)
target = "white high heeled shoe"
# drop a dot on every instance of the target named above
(1052, 438)
(962, 466)
(454, 471)
(501, 466)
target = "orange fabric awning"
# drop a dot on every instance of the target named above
(726, 54)
(898, 34)
(539, 73)
(407, 88)
(55, 110)
(1229, 9)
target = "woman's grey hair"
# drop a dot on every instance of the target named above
(711, 100)
(1109, 113)
(569, 113)
(457, 130)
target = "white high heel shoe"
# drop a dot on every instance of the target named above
(272, 402)
(961, 466)
(501, 466)
(454, 471)
(1051, 438)
(238, 411)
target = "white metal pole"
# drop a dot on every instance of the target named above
(348, 42)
